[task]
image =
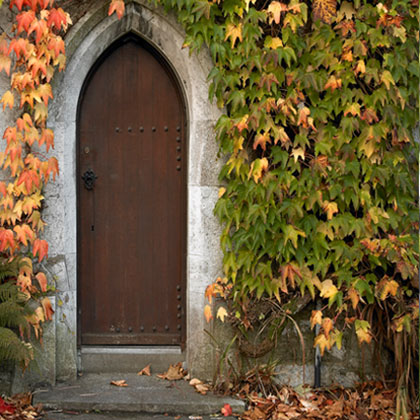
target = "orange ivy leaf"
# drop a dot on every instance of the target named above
(42, 280)
(316, 318)
(37, 64)
(47, 137)
(304, 112)
(324, 10)
(3, 190)
(118, 7)
(7, 240)
(52, 168)
(19, 46)
(47, 307)
(56, 44)
(327, 325)
(207, 313)
(10, 134)
(261, 140)
(40, 248)
(333, 83)
(5, 63)
(29, 177)
(23, 233)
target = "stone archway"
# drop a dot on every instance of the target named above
(86, 41)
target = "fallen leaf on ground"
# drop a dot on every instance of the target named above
(145, 371)
(121, 382)
(199, 386)
(195, 381)
(226, 410)
(174, 373)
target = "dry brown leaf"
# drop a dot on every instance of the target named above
(145, 371)
(202, 388)
(324, 9)
(120, 383)
(195, 382)
(174, 373)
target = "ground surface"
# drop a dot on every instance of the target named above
(143, 394)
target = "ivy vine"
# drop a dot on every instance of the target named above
(320, 195)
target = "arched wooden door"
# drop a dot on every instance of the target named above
(132, 201)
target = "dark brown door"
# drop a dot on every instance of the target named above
(132, 202)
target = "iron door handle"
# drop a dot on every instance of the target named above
(89, 179)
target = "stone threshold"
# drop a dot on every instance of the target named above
(93, 392)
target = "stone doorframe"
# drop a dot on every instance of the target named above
(86, 41)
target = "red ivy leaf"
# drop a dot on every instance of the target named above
(117, 6)
(24, 20)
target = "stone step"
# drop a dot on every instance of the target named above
(93, 392)
(128, 358)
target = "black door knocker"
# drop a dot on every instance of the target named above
(89, 178)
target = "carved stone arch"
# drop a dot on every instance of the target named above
(86, 41)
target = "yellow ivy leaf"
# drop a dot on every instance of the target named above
(387, 287)
(324, 9)
(363, 335)
(8, 100)
(360, 67)
(273, 43)
(258, 167)
(221, 314)
(299, 152)
(387, 79)
(354, 297)
(233, 32)
(207, 313)
(323, 343)
(346, 10)
(330, 208)
(328, 289)
(221, 191)
(275, 10)
(353, 109)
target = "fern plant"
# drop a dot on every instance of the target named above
(14, 309)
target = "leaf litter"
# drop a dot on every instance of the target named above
(19, 407)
